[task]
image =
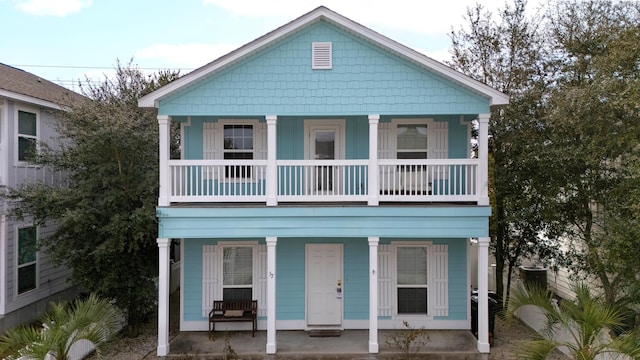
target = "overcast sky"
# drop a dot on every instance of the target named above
(68, 39)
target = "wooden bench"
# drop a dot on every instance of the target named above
(234, 311)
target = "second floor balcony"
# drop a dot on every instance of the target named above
(390, 180)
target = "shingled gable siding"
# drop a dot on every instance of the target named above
(363, 78)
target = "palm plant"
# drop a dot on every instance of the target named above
(588, 321)
(93, 319)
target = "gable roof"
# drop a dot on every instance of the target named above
(20, 85)
(322, 13)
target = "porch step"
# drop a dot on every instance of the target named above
(325, 333)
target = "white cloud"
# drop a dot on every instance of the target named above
(184, 55)
(52, 7)
(425, 17)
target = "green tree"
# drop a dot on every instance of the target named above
(508, 54)
(93, 319)
(588, 320)
(105, 212)
(593, 148)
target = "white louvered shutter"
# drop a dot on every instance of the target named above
(261, 275)
(209, 278)
(439, 280)
(321, 57)
(385, 281)
(438, 140)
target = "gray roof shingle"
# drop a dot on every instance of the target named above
(24, 83)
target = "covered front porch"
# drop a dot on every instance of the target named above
(351, 344)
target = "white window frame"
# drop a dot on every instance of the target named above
(17, 134)
(413, 121)
(394, 258)
(17, 266)
(220, 140)
(254, 259)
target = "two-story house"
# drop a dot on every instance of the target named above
(326, 172)
(29, 106)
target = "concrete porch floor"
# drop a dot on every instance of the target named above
(352, 344)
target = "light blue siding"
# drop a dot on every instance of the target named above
(458, 290)
(290, 267)
(364, 80)
(192, 285)
(290, 261)
(353, 221)
(356, 279)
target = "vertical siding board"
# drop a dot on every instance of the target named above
(385, 283)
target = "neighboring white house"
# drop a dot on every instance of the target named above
(28, 279)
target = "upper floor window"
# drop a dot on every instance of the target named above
(411, 141)
(238, 145)
(27, 259)
(27, 135)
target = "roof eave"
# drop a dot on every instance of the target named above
(29, 99)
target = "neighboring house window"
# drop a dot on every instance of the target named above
(237, 273)
(411, 141)
(238, 145)
(27, 135)
(27, 259)
(412, 280)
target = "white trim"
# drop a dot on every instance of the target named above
(29, 99)
(431, 310)
(16, 132)
(164, 245)
(272, 242)
(17, 227)
(3, 263)
(323, 13)
(428, 324)
(4, 143)
(325, 124)
(373, 293)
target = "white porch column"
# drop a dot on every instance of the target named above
(272, 170)
(271, 294)
(165, 145)
(373, 294)
(373, 161)
(483, 288)
(483, 156)
(163, 296)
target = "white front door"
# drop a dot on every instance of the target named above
(324, 284)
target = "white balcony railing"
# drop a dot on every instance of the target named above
(443, 180)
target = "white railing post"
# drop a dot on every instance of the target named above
(272, 169)
(163, 296)
(164, 155)
(483, 157)
(373, 161)
(271, 294)
(483, 294)
(373, 294)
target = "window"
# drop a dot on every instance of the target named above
(412, 280)
(27, 259)
(238, 145)
(237, 273)
(411, 141)
(27, 135)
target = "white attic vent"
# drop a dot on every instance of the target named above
(321, 57)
